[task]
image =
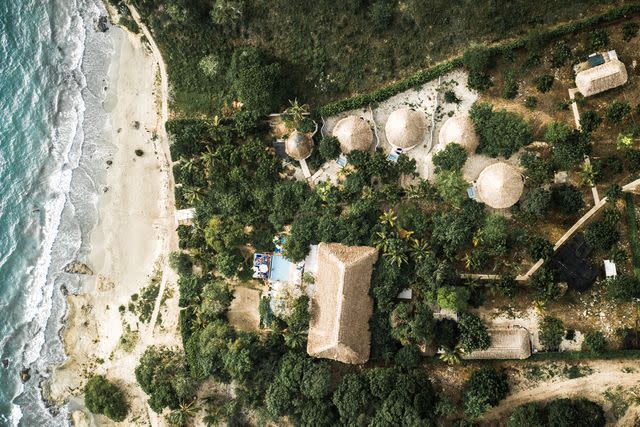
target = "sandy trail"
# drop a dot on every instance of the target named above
(607, 373)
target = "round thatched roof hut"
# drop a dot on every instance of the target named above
(459, 130)
(405, 128)
(354, 133)
(299, 145)
(499, 186)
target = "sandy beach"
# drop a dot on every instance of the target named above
(130, 244)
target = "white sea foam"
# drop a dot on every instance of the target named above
(71, 197)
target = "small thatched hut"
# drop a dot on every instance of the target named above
(299, 145)
(341, 306)
(406, 128)
(601, 78)
(506, 343)
(499, 186)
(354, 133)
(459, 130)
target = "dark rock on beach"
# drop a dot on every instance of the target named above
(103, 24)
(25, 375)
(77, 267)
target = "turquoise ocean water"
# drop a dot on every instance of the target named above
(53, 76)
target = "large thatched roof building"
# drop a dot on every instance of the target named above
(506, 343)
(406, 128)
(601, 78)
(459, 130)
(341, 306)
(354, 133)
(499, 186)
(299, 145)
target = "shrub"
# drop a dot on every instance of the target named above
(544, 283)
(408, 357)
(501, 133)
(567, 199)
(617, 111)
(540, 248)
(329, 148)
(558, 412)
(570, 154)
(473, 333)
(381, 14)
(551, 332)
(452, 187)
(557, 133)
(630, 30)
(510, 89)
(623, 288)
(537, 170)
(589, 121)
(453, 298)
(544, 82)
(575, 413)
(478, 60)
(104, 397)
(451, 158)
(598, 39)
(485, 388)
(561, 54)
(257, 81)
(447, 333)
(613, 193)
(531, 102)
(536, 204)
(594, 342)
(450, 97)
(601, 235)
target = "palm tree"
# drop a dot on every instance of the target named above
(396, 251)
(207, 160)
(450, 357)
(192, 195)
(293, 115)
(188, 164)
(294, 338)
(381, 241)
(388, 218)
(419, 249)
(183, 414)
(215, 411)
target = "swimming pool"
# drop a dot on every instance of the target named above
(280, 269)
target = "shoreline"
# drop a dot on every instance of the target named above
(129, 245)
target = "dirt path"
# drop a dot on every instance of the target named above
(607, 373)
(163, 147)
(170, 241)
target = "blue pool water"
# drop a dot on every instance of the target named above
(280, 269)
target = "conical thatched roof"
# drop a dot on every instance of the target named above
(499, 185)
(603, 77)
(405, 128)
(299, 145)
(506, 343)
(341, 306)
(354, 133)
(459, 130)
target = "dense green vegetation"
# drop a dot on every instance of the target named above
(101, 396)
(558, 412)
(326, 49)
(426, 234)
